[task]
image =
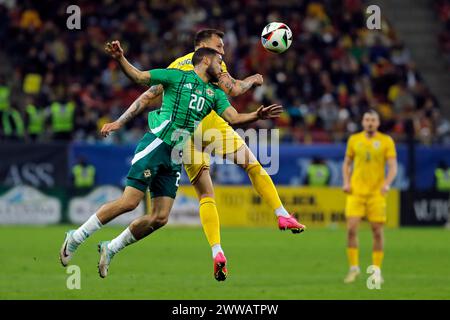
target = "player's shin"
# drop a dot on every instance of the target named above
(263, 184)
(210, 222)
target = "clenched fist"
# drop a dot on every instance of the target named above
(114, 49)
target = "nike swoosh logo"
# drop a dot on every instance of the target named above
(64, 251)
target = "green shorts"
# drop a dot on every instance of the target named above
(152, 167)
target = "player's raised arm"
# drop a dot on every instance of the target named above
(145, 101)
(115, 50)
(235, 87)
(235, 118)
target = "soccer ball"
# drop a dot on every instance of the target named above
(276, 37)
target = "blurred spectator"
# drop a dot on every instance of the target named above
(12, 124)
(83, 174)
(62, 116)
(318, 173)
(34, 119)
(442, 177)
(5, 92)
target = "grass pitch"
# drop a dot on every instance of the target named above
(176, 263)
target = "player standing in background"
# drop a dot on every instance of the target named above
(227, 144)
(189, 97)
(367, 186)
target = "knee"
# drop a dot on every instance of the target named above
(160, 220)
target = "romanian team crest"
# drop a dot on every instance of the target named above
(147, 173)
(376, 144)
(210, 92)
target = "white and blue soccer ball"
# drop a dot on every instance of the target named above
(276, 37)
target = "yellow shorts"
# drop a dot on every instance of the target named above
(213, 136)
(371, 206)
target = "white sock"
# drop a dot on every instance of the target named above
(355, 268)
(121, 241)
(86, 229)
(281, 212)
(216, 249)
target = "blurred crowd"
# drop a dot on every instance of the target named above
(443, 10)
(57, 83)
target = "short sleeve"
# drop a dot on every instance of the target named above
(390, 148)
(161, 76)
(224, 67)
(173, 65)
(221, 102)
(350, 152)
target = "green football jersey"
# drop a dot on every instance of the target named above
(187, 100)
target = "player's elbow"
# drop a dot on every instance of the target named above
(234, 92)
(233, 120)
(142, 78)
(394, 170)
(345, 165)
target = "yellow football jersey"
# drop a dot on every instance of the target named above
(369, 157)
(185, 63)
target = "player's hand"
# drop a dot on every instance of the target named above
(257, 79)
(270, 112)
(385, 189)
(114, 49)
(110, 127)
(346, 188)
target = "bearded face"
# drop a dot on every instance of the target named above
(214, 69)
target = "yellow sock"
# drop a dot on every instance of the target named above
(263, 184)
(353, 257)
(377, 258)
(210, 220)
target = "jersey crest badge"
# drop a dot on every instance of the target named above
(147, 173)
(210, 92)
